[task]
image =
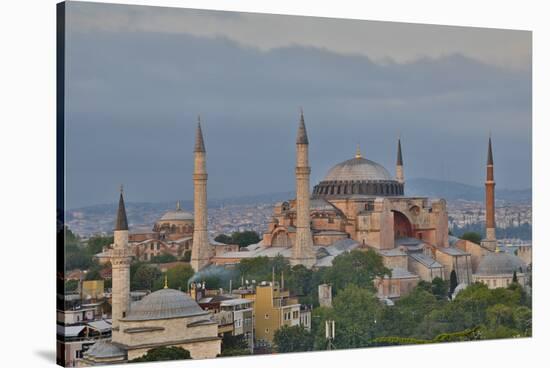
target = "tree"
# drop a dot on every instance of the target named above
(71, 285)
(453, 283)
(186, 256)
(290, 339)
(178, 276)
(515, 278)
(356, 268)
(144, 277)
(164, 353)
(245, 238)
(471, 236)
(163, 258)
(234, 345)
(439, 287)
(222, 238)
(96, 243)
(356, 312)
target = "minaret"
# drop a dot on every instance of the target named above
(200, 254)
(120, 262)
(490, 241)
(302, 252)
(399, 174)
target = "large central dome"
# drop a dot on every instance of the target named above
(358, 176)
(358, 168)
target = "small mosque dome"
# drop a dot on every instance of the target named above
(177, 215)
(164, 304)
(500, 264)
(104, 349)
(358, 168)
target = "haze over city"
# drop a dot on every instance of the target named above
(137, 77)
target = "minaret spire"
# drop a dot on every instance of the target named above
(121, 220)
(199, 141)
(399, 172)
(201, 252)
(490, 241)
(302, 252)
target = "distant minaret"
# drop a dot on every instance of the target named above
(490, 241)
(200, 254)
(120, 262)
(302, 253)
(399, 174)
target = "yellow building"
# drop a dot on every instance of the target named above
(273, 309)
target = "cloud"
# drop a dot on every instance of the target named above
(382, 41)
(133, 97)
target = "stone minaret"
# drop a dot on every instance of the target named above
(200, 254)
(120, 262)
(302, 253)
(490, 241)
(399, 174)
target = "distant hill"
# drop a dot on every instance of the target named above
(454, 191)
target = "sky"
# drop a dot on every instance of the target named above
(137, 77)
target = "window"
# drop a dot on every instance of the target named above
(158, 246)
(266, 316)
(267, 330)
(152, 246)
(295, 314)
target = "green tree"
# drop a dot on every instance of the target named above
(179, 276)
(472, 236)
(523, 320)
(223, 238)
(453, 282)
(96, 243)
(245, 238)
(186, 256)
(290, 339)
(164, 353)
(144, 277)
(356, 312)
(356, 268)
(163, 258)
(234, 345)
(439, 288)
(515, 278)
(71, 285)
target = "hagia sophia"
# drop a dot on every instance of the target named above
(358, 205)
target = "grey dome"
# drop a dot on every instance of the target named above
(104, 349)
(177, 215)
(500, 264)
(358, 168)
(163, 304)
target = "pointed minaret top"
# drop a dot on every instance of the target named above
(490, 153)
(121, 221)
(399, 154)
(199, 141)
(302, 133)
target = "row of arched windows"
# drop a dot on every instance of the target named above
(369, 188)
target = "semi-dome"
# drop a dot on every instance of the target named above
(500, 264)
(163, 304)
(358, 168)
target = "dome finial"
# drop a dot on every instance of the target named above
(358, 151)
(166, 281)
